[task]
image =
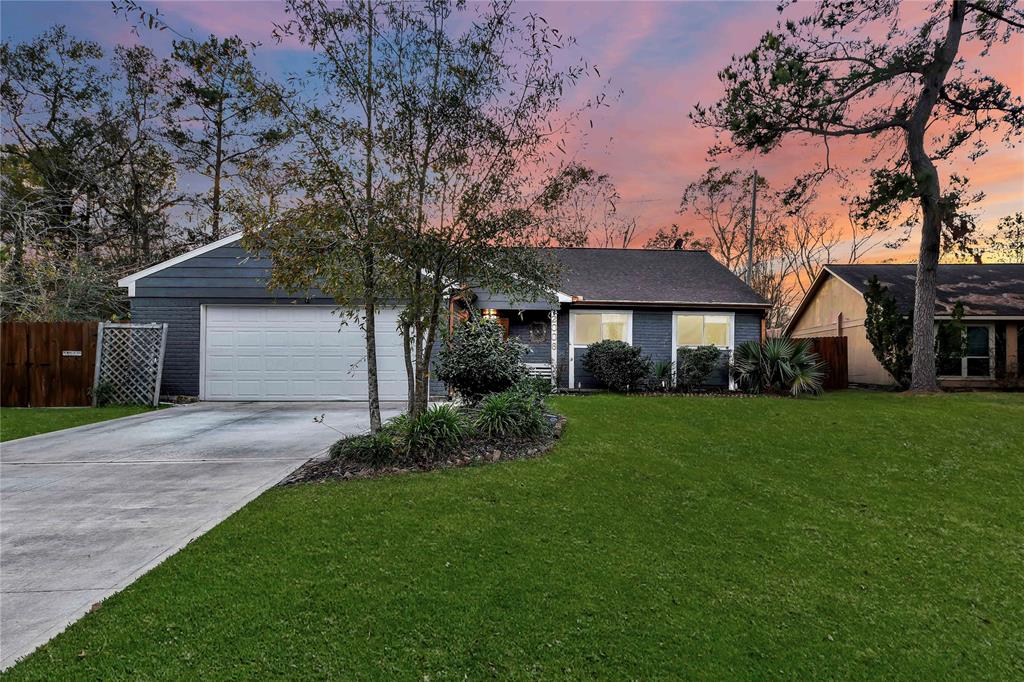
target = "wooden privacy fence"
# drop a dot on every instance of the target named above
(833, 352)
(47, 364)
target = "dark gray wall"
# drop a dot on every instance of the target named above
(227, 272)
(181, 358)
(652, 331)
(519, 325)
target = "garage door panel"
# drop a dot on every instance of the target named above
(257, 352)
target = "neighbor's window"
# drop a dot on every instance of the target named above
(975, 360)
(703, 330)
(593, 327)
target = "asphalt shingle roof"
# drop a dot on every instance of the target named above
(992, 290)
(647, 276)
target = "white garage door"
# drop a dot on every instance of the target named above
(254, 352)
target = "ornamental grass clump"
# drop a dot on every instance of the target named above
(372, 450)
(515, 413)
(435, 433)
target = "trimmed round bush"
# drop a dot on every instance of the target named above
(477, 359)
(695, 365)
(618, 365)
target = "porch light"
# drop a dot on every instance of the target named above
(490, 313)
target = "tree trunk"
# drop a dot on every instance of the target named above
(427, 348)
(922, 373)
(410, 375)
(369, 271)
(218, 169)
(370, 324)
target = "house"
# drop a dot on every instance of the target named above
(231, 339)
(659, 300)
(993, 303)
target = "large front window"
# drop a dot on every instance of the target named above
(703, 330)
(593, 327)
(973, 358)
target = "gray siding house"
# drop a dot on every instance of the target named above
(229, 338)
(659, 300)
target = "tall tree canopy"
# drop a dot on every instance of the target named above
(852, 69)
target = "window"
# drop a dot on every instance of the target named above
(703, 330)
(593, 327)
(973, 358)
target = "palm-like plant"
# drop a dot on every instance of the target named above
(778, 365)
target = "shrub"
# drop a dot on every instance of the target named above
(695, 365)
(537, 385)
(890, 332)
(778, 365)
(477, 359)
(377, 449)
(661, 375)
(618, 365)
(435, 433)
(515, 413)
(104, 392)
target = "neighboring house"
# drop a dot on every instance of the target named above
(231, 339)
(992, 298)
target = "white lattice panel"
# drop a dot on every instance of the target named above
(130, 358)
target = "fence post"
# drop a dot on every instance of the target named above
(160, 365)
(99, 356)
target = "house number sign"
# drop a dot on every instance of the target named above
(71, 353)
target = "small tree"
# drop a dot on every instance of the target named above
(890, 332)
(224, 117)
(695, 365)
(477, 359)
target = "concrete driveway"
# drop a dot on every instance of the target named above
(86, 511)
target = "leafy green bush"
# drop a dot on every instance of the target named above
(378, 449)
(539, 385)
(778, 365)
(477, 359)
(890, 332)
(104, 392)
(435, 433)
(695, 365)
(618, 365)
(515, 413)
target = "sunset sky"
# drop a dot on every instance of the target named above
(662, 56)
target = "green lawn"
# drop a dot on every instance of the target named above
(855, 536)
(19, 422)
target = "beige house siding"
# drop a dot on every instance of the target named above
(836, 309)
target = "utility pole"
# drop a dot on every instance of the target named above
(753, 229)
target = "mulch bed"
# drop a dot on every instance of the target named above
(472, 453)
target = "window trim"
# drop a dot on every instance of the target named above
(962, 376)
(676, 314)
(628, 312)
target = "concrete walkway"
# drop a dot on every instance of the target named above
(86, 511)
